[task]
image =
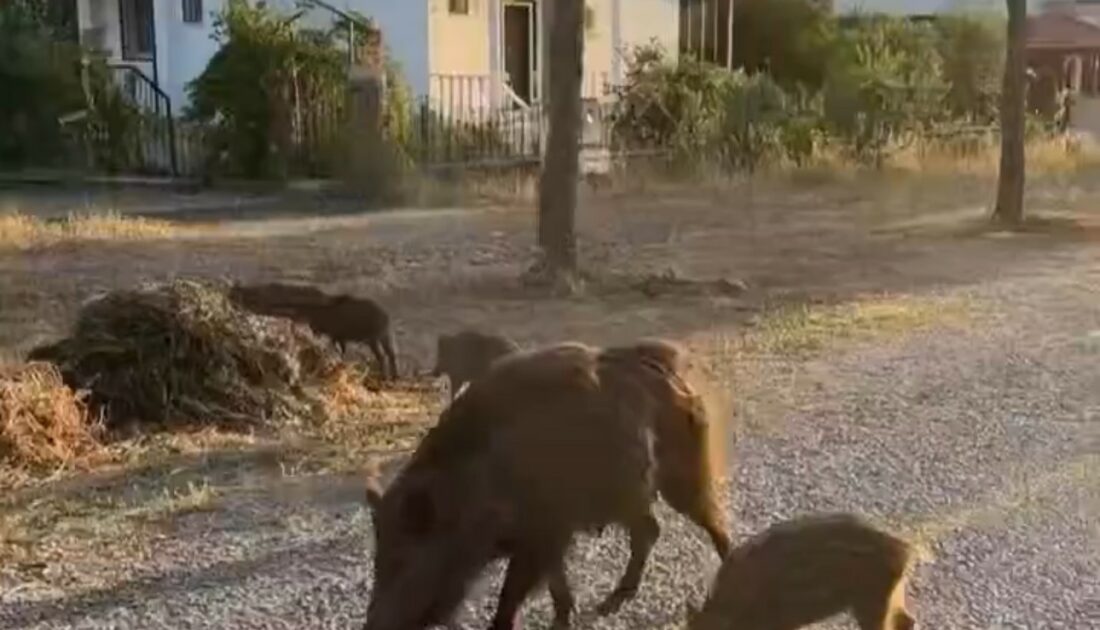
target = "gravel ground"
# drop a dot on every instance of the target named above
(984, 437)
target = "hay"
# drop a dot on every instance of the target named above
(182, 352)
(43, 423)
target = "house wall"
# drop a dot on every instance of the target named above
(599, 46)
(184, 49)
(647, 20)
(460, 55)
(459, 43)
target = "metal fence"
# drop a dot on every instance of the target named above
(149, 133)
(463, 122)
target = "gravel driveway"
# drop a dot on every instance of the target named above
(985, 438)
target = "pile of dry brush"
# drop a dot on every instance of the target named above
(171, 353)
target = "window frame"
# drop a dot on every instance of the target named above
(195, 15)
(458, 7)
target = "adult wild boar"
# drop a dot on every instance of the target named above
(548, 444)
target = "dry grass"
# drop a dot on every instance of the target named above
(194, 496)
(43, 423)
(801, 330)
(19, 231)
(387, 422)
(1046, 156)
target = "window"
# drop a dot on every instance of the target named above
(459, 7)
(136, 22)
(192, 11)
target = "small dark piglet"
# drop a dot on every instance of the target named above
(468, 355)
(804, 570)
(342, 318)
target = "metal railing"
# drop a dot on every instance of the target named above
(155, 133)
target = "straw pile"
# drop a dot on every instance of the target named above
(43, 423)
(182, 352)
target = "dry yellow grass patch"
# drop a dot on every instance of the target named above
(1048, 156)
(43, 423)
(20, 231)
(385, 422)
(804, 329)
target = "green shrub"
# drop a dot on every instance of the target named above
(39, 81)
(678, 105)
(269, 90)
(885, 82)
(791, 40)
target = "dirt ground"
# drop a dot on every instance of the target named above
(833, 271)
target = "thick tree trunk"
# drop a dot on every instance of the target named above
(558, 183)
(1010, 184)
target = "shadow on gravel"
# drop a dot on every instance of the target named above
(144, 591)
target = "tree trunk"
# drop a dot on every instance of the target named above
(1010, 183)
(558, 182)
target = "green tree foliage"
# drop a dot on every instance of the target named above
(261, 87)
(792, 40)
(39, 81)
(972, 50)
(886, 79)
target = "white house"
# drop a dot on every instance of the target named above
(168, 41)
(467, 53)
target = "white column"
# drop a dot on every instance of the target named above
(496, 54)
(617, 51)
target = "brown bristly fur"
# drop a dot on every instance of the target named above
(467, 355)
(549, 443)
(807, 569)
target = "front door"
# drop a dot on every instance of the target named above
(520, 47)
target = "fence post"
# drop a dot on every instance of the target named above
(370, 165)
(172, 140)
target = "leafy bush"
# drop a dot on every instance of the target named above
(667, 103)
(763, 122)
(268, 88)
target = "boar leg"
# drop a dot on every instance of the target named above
(643, 535)
(561, 596)
(384, 353)
(526, 569)
(694, 496)
(879, 613)
(389, 347)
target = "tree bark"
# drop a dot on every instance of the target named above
(1010, 182)
(558, 181)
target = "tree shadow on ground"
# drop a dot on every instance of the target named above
(137, 592)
